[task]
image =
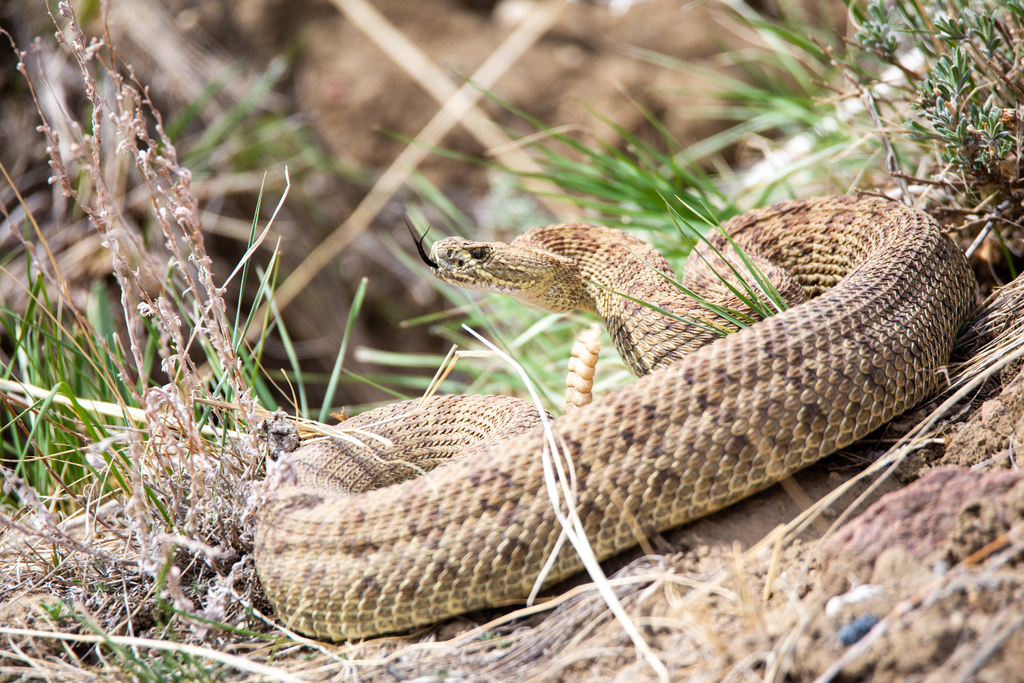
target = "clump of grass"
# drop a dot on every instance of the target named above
(126, 453)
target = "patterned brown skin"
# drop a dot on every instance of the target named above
(696, 436)
(406, 439)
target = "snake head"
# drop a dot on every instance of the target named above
(461, 257)
(538, 279)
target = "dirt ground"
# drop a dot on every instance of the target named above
(922, 580)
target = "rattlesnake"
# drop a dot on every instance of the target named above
(693, 435)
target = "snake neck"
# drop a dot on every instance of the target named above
(608, 262)
(617, 271)
(573, 266)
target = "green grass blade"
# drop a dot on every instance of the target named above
(332, 384)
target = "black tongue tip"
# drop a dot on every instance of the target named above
(419, 244)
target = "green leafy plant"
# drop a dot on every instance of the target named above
(966, 91)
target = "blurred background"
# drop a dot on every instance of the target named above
(337, 92)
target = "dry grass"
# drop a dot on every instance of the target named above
(152, 492)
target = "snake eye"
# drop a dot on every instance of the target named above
(478, 253)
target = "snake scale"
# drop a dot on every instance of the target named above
(699, 431)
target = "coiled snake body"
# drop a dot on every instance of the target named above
(700, 433)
